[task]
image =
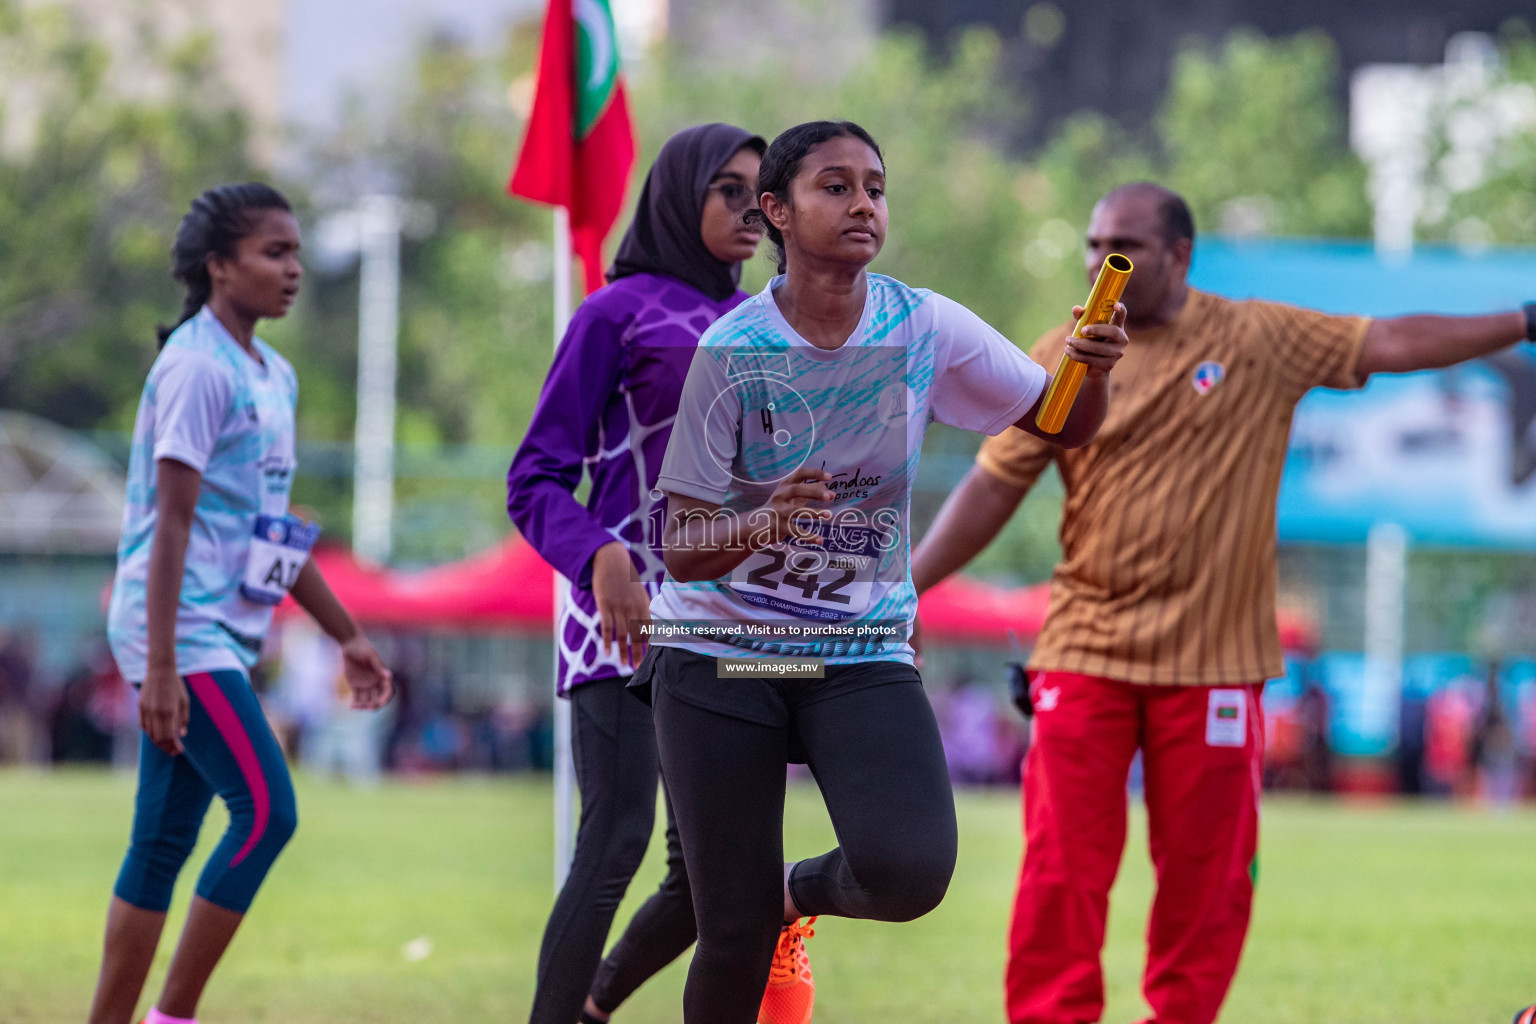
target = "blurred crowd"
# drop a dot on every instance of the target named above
(90, 715)
(431, 725)
(80, 717)
(1466, 739)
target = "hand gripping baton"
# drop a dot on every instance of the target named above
(1069, 372)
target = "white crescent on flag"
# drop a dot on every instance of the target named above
(595, 20)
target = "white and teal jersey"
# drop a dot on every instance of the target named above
(212, 406)
(761, 402)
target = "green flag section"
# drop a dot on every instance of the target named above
(580, 144)
(597, 62)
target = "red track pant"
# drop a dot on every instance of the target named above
(1202, 751)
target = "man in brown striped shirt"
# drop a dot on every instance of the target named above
(1162, 620)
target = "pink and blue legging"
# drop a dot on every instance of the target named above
(229, 750)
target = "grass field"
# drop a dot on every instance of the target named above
(1366, 913)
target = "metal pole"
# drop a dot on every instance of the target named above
(1389, 106)
(565, 771)
(1386, 581)
(373, 492)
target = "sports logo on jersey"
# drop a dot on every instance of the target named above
(1207, 376)
(849, 486)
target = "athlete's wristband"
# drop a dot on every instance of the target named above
(1530, 320)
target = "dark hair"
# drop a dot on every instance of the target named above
(1178, 222)
(1172, 210)
(782, 162)
(218, 219)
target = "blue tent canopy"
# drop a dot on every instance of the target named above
(1348, 277)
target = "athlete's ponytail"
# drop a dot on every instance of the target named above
(219, 218)
(782, 162)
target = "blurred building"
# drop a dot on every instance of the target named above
(1115, 55)
(287, 61)
(58, 493)
(816, 38)
(61, 507)
(246, 37)
(335, 51)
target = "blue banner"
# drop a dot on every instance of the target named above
(1450, 455)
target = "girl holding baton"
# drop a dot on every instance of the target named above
(788, 480)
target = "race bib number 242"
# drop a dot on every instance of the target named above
(827, 583)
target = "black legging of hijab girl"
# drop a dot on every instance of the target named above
(614, 750)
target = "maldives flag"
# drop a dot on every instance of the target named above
(580, 144)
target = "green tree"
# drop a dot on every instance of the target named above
(1253, 135)
(1500, 206)
(91, 185)
(476, 331)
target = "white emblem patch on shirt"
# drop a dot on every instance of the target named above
(1207, 375)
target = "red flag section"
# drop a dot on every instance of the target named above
(580, 144)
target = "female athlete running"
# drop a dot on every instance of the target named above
(788, 479)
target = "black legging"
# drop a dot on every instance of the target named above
(614, 748)
(875, 753)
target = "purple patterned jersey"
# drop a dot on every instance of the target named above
(607, 407)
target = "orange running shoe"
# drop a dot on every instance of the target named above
(791, 991)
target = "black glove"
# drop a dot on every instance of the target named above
(1018, 689)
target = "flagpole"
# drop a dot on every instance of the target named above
(579, 122)
(565, 772)
(378, 299)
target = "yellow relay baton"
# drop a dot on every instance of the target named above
(1069, 372)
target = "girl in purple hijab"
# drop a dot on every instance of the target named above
(608, 406)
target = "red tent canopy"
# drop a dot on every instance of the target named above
(1298, 630)
(964, 610)
(510, 587)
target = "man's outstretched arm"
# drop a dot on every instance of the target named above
(973, 514)
(1406, 343)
